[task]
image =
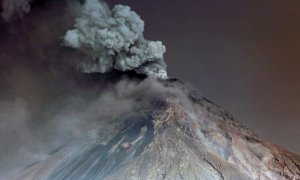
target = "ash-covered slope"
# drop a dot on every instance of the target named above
(173, 133)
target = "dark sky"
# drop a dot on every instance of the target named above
(243, 55)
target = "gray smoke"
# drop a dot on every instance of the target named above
(30, 133)
(14, 7)
(42, 105)
(114, 39)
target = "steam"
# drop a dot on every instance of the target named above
(13, 7)
(114, 39)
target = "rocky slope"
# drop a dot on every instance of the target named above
(176, 134)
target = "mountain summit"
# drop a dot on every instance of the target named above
(172, 132)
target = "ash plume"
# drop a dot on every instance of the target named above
(40, 95)
(114, 40)
(14, 7)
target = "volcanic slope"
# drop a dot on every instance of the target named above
(174, 133)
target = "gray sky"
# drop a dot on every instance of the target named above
(243, 55)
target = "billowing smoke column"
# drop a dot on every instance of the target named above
(114, 40)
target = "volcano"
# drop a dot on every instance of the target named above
(103, 106)
(171, 133)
